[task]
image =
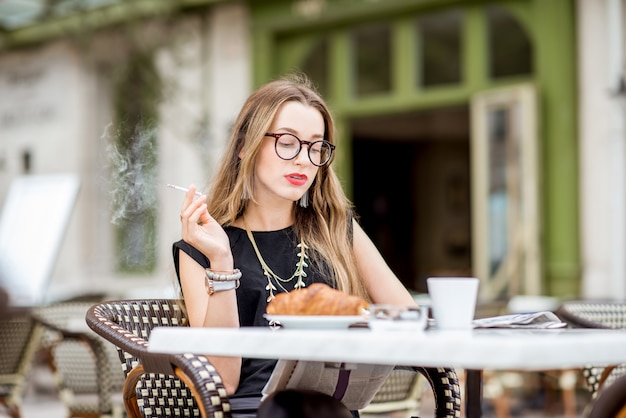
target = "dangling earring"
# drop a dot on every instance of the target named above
(244, 193)
(304, 200)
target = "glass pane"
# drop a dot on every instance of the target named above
(510, 49)
(498, 202)
(372, 46)
(315, 66)
(505, 192)
(440, 39)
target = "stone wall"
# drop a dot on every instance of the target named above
(56, 116)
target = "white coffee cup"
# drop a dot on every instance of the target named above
(453, 301)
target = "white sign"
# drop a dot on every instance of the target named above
(33, 222)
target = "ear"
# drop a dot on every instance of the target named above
(242, 145)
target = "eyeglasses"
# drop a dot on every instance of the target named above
(288, 146)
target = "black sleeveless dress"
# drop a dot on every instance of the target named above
(278, 249)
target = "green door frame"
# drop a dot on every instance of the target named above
(551, 28)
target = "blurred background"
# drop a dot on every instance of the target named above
(481, 138)
(476, 138)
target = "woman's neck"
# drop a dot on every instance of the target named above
(259, 218)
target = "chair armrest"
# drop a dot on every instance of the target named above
(195, 371)
(610, 401)
(206, 384)
(103, 322)
(444, 383)
(147, 370)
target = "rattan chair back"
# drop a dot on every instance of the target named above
(596, 314)
(400, 393)
(158, 384)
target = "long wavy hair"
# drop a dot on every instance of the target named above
(325, 225)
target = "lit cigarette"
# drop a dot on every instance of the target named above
(182, 189)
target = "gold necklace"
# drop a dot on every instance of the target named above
(267, 271)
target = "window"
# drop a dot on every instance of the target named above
(372, 47)
(439, 38)
(315, 66)
(510, 49)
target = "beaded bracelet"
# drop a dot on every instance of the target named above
(223, 276)
(219, 281)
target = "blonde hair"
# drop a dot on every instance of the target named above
(325, 225)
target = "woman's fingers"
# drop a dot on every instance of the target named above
(204, 217)
(188, 197)
(199, 229)
(191, 202)
(196, 215)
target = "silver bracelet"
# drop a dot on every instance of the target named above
(214, 286)
(223, 276)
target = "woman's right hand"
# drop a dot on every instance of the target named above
(203, 232)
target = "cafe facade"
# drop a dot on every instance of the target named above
(461, 128)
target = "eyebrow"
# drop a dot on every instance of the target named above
(293, 131)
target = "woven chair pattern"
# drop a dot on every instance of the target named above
(400, 393)
(86, 365)
(20, 337)
(181, 385)
(444, 383)
(397, 387)
(79, 374)
(590, 314)
(128, 323)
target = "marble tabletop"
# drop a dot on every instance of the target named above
(503, 349)
(473, 351)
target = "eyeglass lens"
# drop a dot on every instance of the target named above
(288, 147)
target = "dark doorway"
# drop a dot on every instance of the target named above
(412, 191)
(383, 187)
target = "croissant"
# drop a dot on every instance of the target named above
(316, 299)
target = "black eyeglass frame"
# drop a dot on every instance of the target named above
(277, 136)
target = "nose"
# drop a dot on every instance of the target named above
(303, 154)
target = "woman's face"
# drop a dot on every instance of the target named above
(288, 180)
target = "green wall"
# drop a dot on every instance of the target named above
(550, 25)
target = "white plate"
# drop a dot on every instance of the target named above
(315, 321)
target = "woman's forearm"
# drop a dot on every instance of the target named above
(217, 310)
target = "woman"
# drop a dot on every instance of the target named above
(276, 219)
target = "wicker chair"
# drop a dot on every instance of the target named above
(86, 366)
(596, 314)
(21, 337)
(401, 393)
(187, 384)
(158, 384)
(610, 402)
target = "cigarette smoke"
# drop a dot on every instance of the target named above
(133, 175)
(132, 185)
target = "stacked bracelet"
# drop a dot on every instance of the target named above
(219, 281)
(223, 276)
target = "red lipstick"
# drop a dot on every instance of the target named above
(297, 179)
